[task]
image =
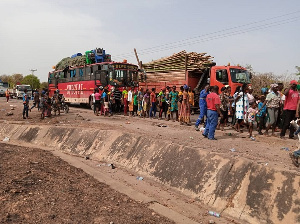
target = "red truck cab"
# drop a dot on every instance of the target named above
(233, 76)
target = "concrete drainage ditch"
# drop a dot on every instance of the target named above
(234, 186)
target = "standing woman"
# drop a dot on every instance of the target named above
(146, 103)
(180, 98)
(223, 107)
(97, 101)
(273, 103)
(241, 107)
(185, 116)
(174, 103)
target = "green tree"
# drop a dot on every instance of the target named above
(7, 78)
(32, 80)
(17, 78)
(44, 85)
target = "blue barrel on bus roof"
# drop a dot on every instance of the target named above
(75, 55)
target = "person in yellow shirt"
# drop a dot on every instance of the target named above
(191, 99)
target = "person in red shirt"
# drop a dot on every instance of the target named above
(213, 109)
(290, 108)
(153, 103)
(97, 101)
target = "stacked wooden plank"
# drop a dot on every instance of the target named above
(180, 61)
(165, 76)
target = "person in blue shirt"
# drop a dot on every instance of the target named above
(262, 114)
(25, 104)
(203, 106)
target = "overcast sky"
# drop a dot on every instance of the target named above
(37, 34)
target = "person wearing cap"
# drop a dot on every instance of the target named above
(272, 102)
(290, 109)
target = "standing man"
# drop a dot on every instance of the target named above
(153, 103)
(36, 100)
(7, 95)
(202, 107)
(118, 96)
(290, 109)
(125, 102)
(140, 102)
(213, 109)
(93, 101)
(25, 104)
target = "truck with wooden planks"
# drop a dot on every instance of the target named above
(194, 69)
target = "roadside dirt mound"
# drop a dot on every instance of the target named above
(37, 187)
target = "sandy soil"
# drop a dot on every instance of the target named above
(264, 150)
(37, 187)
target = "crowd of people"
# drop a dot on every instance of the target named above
(169, 104)
(43, 103)
(267, 113)
(271, 111)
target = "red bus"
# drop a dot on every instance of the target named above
(78, 83)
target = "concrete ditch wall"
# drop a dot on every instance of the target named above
(238, 187)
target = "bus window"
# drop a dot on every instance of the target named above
(121, 76)
(92, 73)
(105, 67)
(111, 75)
(135, 76)
(95, 68)
(129, 77)
(81, 72)
(72, 73)
(88, 73)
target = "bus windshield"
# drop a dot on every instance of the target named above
(22, 88)
(239, 75)
(125, 77)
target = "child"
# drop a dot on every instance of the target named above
(251, 118)
(262, 114)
